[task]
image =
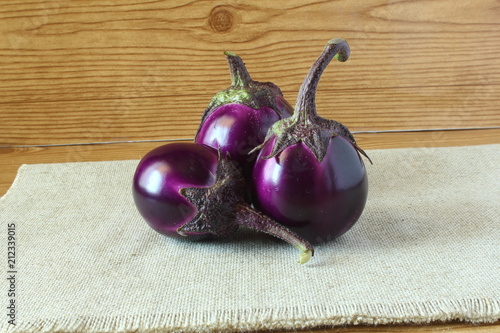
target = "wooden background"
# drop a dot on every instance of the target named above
(94, 71)
(94, 80)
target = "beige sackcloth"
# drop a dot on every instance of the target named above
(426, 249)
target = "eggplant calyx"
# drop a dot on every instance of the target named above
(305, 125)
(256, 94)
(315, 135)
(243, 90)
(215, 205)
(221, 209)
(213, 216)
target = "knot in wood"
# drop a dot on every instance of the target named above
(221, 19)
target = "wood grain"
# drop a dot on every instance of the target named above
(91, 71)
(454, 328)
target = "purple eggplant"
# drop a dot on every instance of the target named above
(309, 175)
(187, 190)
(238, 118)
(159, 177)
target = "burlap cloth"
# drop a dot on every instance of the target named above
(426, 249)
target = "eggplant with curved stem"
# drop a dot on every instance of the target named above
(309, 175)
(238, 118)
(188, 190)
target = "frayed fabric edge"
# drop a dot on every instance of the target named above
(476, 311)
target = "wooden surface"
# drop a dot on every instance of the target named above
(92, 80)
(437, 328)
(91, 71)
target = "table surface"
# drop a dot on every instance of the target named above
(91, 80)
(12, 158)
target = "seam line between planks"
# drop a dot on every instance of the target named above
(191, 139)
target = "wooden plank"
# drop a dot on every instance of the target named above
(454, 328)
(12, 158)
(92, 71)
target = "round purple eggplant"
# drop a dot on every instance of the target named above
(309, 175)
(238, 118)
(189, 190)
(159, 177)
(317, 200)
(236, 129)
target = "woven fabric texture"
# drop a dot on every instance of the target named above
(426, 249)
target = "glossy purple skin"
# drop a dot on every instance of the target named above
(160, 175)
(236, 129)
(317, 200)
